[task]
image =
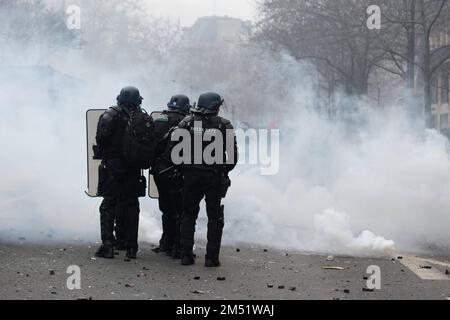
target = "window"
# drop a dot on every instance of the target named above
(445, 86)
(434, 90)
(444, 121)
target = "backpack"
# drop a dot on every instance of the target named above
(138, 139)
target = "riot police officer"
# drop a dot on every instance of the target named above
(167, 177)
(205, 179)
(119, 184)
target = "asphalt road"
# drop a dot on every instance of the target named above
(30, 271)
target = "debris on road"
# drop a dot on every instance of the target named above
(333, 268)
(197, 292)
(238, 250)
(426, 267)
(238, 279)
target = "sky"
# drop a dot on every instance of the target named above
(189, 10)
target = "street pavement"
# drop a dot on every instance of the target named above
(39, 272)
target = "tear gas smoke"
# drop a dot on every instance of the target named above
(341, 188)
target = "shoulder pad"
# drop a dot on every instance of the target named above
(185, 122)
(111, 113)
(114, 109)
(226, 123)
(161, 117)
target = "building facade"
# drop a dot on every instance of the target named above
(440, 44)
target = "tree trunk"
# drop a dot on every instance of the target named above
(427, 96)
(426, 67)
(411, 48)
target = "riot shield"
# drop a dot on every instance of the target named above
(152, 188)
(92, 117)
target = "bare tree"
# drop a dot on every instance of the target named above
(253, 79)
(29, 27)
(117, 31)
(331, 34)
(411, 26)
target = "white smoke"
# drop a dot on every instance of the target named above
(341, 189)
(333, 229)
(349, 192)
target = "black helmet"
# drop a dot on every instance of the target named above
(180, 103)
(130, 95)
(209, 103)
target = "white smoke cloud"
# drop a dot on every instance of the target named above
(363, 190)
(333, 230)
(351, 193)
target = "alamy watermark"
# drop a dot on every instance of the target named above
(374, 19)
(73, 17)
(74, 280)
(257, 147)
(374, 280)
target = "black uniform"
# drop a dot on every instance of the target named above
(119, 184)
(169, 182)
(205, 181)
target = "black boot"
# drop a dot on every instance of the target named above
(176, 253)
(107, 212)
(188, 260)
(132, 227)
(132, 253)
(169, 251)
(106, 251)
(215, 230)
(120, 245)
(212, 263)
(163, 246)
